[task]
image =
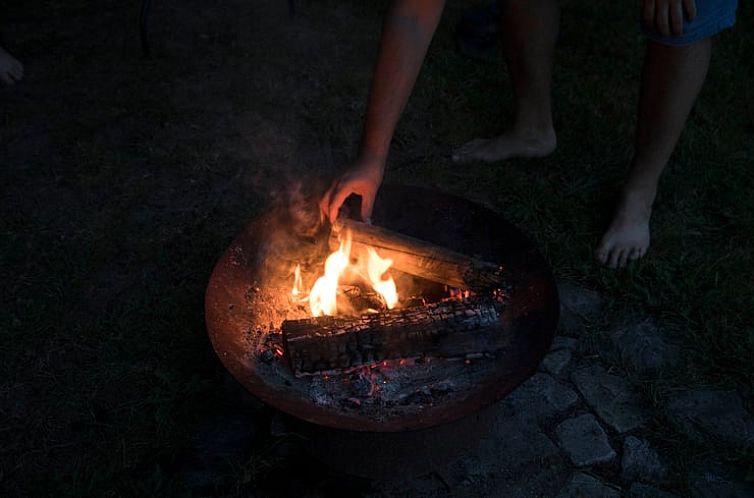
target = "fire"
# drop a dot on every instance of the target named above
(338, 265)
(324, 293)
(298, 284)
(376, 268)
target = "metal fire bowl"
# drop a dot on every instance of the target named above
(530, 317)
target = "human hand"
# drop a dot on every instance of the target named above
(667, 15)
(363, 179)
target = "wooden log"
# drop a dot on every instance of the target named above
(420, 258)
(451, 328)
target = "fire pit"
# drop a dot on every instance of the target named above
(396, 413)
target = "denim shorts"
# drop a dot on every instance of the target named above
(712, 16)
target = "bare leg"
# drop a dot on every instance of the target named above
(671, 81)
(11, 70)
(530, 30)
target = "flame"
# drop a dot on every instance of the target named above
(376, 268)
(324, 293)
(298, 284)
(323, 296)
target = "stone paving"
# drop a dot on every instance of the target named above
(583, 427)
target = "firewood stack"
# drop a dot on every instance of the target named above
(449, 328)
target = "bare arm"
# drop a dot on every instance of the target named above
(406, 35)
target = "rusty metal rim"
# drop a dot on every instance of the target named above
(532, 311)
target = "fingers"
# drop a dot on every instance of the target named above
(338, 197)
(662, 18)
(676, 18)
(324, 203)
(5, 78)
(367, 203)
(690, 7)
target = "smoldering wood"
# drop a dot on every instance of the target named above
(420, 258)
(451, 328)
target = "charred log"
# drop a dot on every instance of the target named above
(452, 328)
(420, 258)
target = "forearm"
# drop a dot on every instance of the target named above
(407, 33)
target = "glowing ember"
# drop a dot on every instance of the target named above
(338, 265)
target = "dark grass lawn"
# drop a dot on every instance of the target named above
(124, 179)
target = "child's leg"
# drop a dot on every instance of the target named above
(671, 80)
(529, 30)
(674, 71)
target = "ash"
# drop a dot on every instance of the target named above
(388, 389)
(380, 391)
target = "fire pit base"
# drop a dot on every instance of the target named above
(425, 413)
(397, 455)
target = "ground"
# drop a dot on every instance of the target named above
(125, 178)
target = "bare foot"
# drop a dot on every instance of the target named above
(627, 238)
(506, 146)
(11, 70)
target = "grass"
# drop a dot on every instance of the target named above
(124, 180)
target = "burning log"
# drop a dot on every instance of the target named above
(451, 328)
(419, 258)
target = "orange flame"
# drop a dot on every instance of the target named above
(376, 268)
(298, 284)
(323, 295)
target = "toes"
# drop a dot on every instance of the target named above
(458, 155)
(602, 254)
(469, 151)
(623, 258)
(603, 249)
(614, 258)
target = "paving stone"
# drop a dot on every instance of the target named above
(705, 483)
(522, 485)
(612, 397)
(641, 462)
(577, 305)
(720, 415)
(582, 485)
(563, 342)
(639, 490)
(534, 483)
(540, 397)
(584, 440)
(513, 444)
(518, 459)
(642, 348)
(556, 361)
